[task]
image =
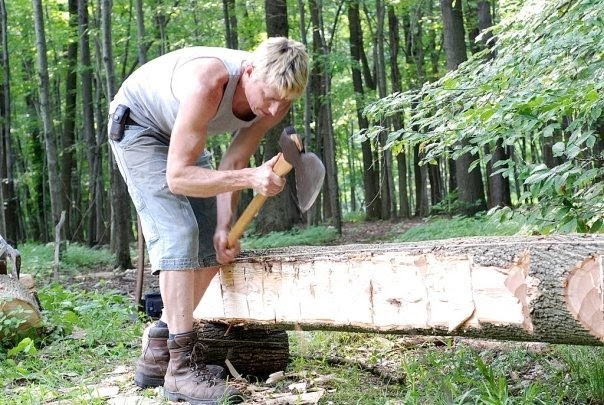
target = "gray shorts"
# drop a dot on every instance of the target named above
(178, 230)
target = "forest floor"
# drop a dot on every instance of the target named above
(118, 387)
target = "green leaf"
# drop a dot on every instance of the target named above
(597, 225)
(592, 95)
(558, 149)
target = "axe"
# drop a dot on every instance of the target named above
(309, 171)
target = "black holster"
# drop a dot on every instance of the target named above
(118, 122)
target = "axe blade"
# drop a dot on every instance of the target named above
(308, 168)
(309, 183)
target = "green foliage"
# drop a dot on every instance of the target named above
(451, 205)
(10, 327)
(356, 216)
(586, 364)
(543, 84)
(460, 226)
(311, 236)
(38, 259)
(89, 334)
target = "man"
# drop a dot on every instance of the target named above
(161, 118)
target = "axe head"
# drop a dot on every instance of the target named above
(308, 168)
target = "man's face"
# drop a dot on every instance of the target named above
(264, 99)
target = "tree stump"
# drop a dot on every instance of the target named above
(254, 352)
(16, 300)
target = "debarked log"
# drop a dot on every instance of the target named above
(537, 288)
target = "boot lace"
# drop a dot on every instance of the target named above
(198, 366)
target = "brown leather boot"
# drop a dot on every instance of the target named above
(152, 364)
(189, 380)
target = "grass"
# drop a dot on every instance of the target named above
(89, 334)
(312, 236)
(457, 227)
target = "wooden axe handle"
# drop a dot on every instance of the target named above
(281, 168)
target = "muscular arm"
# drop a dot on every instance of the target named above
(200, 89)
(237, 156)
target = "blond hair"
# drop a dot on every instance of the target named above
(282, 62)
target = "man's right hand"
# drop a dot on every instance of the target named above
(266, 181)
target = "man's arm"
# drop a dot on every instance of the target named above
(243, 145)
(200, 90)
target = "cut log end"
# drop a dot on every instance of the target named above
(583, 295)
(17, 301)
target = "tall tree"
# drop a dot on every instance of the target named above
(67, 166)
(9, 207)
(230, 22)
(497, 184)
(397, 119)
(141, 46)
(388, 199)
(321, 78)
(94, 211)
(370, 174)
(120, 203)
(54, 180)
(280, 212)
(469, 182)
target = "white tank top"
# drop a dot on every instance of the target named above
(148, 91)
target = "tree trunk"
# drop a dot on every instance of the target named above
(230, 24)
(120, 203)
(370, 174)
(279, 213)
(54, 179)
(67, 166)
(323, 111)
(92, 150)
(386, 184)
(469, 183)
(9, 207)
(545, 289)
(397, 119)
(141, 45)
(498, 185)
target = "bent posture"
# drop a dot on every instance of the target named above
(161, 118)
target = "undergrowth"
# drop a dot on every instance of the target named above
(88, 334)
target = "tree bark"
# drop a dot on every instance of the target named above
(469, 183)
(545, 289)
(120, 203)
(9, 206)
(370, 174)
(324, 133)
(54, 179)
(387, 182)
(67, 166)
(397, 119)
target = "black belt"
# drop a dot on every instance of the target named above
(130, 121)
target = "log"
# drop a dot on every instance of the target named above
(256, 352)
(17, 300)
(546, 289)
